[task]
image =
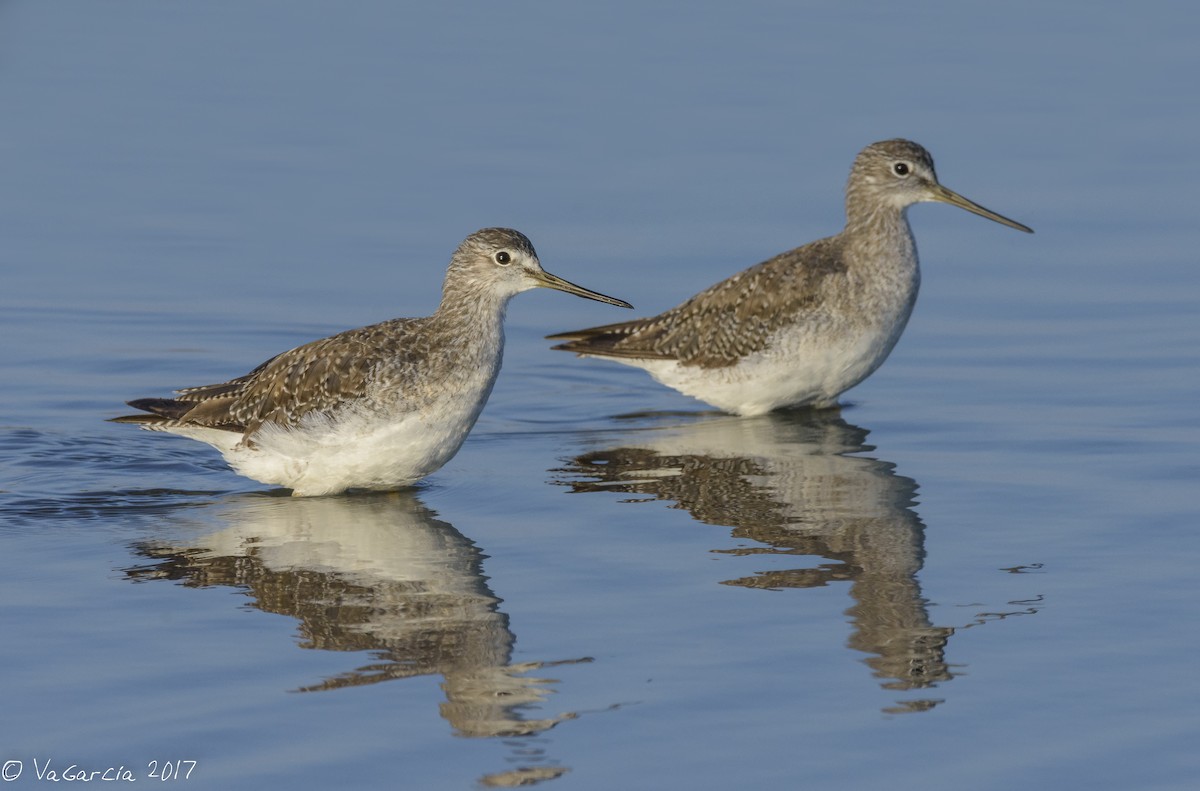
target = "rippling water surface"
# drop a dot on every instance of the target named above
(979, 573)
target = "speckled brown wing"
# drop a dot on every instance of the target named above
(721, 324)
(314, 377)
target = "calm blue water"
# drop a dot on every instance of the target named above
(980, 573)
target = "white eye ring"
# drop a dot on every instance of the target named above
(502, 258)
(901, 169)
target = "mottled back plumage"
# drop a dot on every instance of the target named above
(727, 321)
(315, 377)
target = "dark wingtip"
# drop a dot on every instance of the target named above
(573, 335)
(163, 407)
(160, 410)
(140, 420)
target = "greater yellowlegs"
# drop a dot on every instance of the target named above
(378, 407)
(803, 327)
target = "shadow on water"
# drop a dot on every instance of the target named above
(792, 484)
(377, 573)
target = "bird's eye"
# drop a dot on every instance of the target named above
(503, 258)
(900, 168)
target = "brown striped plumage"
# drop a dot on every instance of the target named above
(727, 321)
(314, 377)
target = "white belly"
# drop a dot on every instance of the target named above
(798, 368)
(350, 449)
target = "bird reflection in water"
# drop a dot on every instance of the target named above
(378, 573)
(789, 482)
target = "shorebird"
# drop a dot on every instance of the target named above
(378, 407)
(805, 326)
